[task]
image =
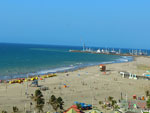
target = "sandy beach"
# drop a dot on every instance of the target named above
(87, 85)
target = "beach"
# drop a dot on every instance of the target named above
(87, 85)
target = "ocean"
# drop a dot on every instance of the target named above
(20, 60)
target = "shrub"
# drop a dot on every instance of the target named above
(15, 109)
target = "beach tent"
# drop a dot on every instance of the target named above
(71, 111)
(74, 107)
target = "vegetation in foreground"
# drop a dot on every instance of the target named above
(57, 103)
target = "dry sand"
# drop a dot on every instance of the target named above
(87, 85)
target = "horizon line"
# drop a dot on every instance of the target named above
(69, 45)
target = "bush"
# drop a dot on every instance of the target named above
(38, 93)
(15, 109)
(148, 103)
(78, 106)
(100, 102)
(4, 111)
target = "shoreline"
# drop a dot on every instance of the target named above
(122, 59)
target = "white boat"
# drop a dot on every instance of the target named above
(98, 51)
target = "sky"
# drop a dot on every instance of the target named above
(101, 23)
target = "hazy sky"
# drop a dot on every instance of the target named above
(103, 23)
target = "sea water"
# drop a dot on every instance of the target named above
(18, 60)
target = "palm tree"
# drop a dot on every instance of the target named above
(56, 103)
(53, 102)
(53, 98)
(38, 93)
(40, 101)
(60, 102)
(40, 104)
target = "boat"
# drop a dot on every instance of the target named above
(98, 51)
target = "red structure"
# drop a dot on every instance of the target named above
(102, 67)
(75, 108)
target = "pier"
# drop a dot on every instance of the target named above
(113, 52)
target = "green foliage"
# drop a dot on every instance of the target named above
(78, 106)
(40, 101)
(59, 99)
(100, 102)
(15, 109)
(60, 102)
(116, 107)
(104, 106)
(110, 98)
(40, 104)
(53, 98)
(113, 102)
(148, 103)
(4, 111)
(56, 103)
(38, 93)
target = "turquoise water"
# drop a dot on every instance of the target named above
(17, 60)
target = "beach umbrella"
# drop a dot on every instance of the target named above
(73, 109)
